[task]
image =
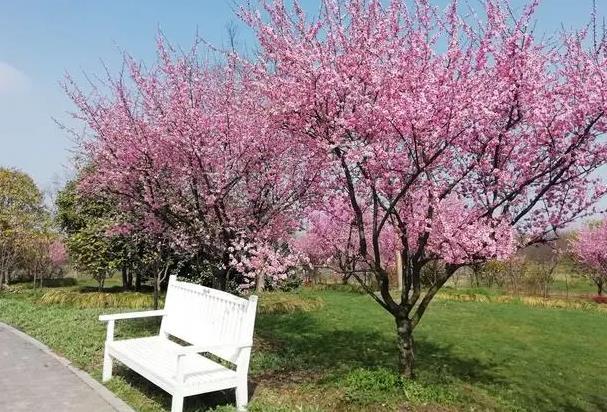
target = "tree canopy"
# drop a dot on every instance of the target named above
(440, 137)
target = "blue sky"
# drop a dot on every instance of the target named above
(42, 40)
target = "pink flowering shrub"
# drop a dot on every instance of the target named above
(266, 262)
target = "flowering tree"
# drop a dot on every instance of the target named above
(589, 248)
(188, 155)
(468, 138)
(331, 239)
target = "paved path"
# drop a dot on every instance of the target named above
(33, 379)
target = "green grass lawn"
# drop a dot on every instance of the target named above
(471, 356)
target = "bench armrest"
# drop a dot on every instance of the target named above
(186, 350)
(132, 315)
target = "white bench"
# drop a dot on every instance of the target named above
(210, 321)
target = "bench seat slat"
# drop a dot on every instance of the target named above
(156, 355)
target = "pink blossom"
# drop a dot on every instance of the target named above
(57, 253)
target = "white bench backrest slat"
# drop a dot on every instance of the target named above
(203, 316)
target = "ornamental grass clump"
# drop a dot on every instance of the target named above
(130, 300)
(283, 302)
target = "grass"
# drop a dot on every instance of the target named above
(340, 356)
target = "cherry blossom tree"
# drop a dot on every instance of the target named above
(331, 240)
(589, 248)
(189, 156)
(469, 137)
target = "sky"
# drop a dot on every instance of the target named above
(41, 41)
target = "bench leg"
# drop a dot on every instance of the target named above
(242, 396)
(177, 404)
(107, 366)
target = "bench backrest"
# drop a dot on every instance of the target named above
(203, 316)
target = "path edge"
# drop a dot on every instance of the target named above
(115, 402)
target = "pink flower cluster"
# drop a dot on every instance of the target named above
(264, 261)
(57, 253)
(331, 238)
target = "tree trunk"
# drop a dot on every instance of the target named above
(220, 279)
(399, 270)
(125, 277)
(259, 282)
(600, 288)
(406, 350)
(156, 290)
(129, 278)
(138, 282)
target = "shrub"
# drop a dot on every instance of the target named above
(539, 277)
(431, 273)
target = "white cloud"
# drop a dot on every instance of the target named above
(12, 81)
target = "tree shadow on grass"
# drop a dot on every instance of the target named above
(300, 342)
(300, 349)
